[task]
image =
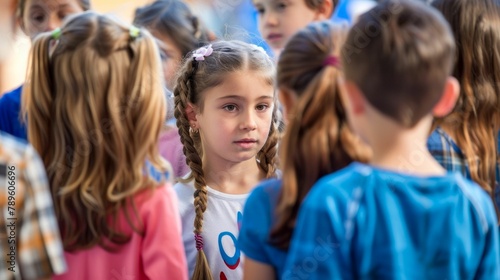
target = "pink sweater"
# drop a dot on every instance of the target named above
(170, 148)
(158, 254)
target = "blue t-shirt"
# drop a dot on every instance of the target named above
(367, 223)
(258, 220)
(10, 119)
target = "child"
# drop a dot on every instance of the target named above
(95, 106)
(34, 17)
(226, 115)
(278, 20)
(30, 243)
(178, 32)
(466, 140)
(317, 141)
(402, 216)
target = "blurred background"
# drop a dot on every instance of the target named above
(228, 19)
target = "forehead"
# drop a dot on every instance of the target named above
(244, 85)
(50, 4)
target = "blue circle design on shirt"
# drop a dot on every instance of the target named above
(231, 262)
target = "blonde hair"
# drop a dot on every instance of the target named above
(94, 109)
(196, 77)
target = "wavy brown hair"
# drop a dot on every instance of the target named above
(475, 118)
(94, 108)
(196, 77)
(317, 140)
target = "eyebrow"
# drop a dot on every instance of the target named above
(263, 97)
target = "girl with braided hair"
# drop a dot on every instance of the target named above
(226, 112)
(94, 106)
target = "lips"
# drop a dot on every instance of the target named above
(272, 37)
(246, 143)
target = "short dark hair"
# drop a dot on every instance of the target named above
(400, 54)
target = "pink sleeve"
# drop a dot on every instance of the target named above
(163, 254)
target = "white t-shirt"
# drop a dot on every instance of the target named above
(221, 226)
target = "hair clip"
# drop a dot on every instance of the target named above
(56, 34)
(332, 61)
(202, 52)
(134, 31)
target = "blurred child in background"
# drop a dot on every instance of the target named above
(177, 32)
(466, 140)
(279, 20)
(34, 17)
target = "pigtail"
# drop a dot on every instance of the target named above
(37, 95)
(317, 140)
(190, 140)
(267, 156)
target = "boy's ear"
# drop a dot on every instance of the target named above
(447, 102)
(354, 99)
(325, 11)
(191, 112)
(287, 99)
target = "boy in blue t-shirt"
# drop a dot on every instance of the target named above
(401, 216)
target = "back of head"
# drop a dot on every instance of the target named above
(476, 116)
(197, 76)
(400, 54)
(317, 140)
(95, 106)
(174, 19)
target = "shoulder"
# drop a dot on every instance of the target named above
(340, 182)
(184, 189)
(156, 197)
(267, 191)
(185, 198)
(11, 97)
(478, 198)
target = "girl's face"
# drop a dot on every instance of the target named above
(171, 57)
(280, 19)
(46, 15)
(235, 117)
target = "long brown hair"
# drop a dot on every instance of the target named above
(475, 118)
(94, 106)
(317, 140)
(196, 77)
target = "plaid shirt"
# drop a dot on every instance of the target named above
(30, 244)
(449, 155)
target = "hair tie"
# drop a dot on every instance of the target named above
(134, 31)
(56, 33)
(202, 52)
(332, 61)
(199, 241)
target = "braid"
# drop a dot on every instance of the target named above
(267, 156)
(190, 140)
